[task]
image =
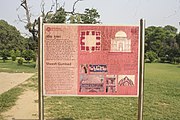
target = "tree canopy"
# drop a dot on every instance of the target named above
(162, 42)
(10, 37)
(90, 16)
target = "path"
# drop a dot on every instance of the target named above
(25, 109)
(26, 106)
(10, 80)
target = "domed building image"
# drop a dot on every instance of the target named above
(120, 43)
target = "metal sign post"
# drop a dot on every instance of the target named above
(141, 71)
(40, 69)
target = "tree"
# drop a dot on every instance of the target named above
(91, 16)
(171, 29)
(10, 37)
(13, 55)
(153, 40)
(60, 15)
(178, 39)
(4, 54)
(151, 56)
(163, 41)
(31, 44)
(28, 55)
(173, 52)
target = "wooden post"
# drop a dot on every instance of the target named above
(40, 70)
(141, 71)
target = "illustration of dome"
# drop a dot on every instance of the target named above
(120, 43)
(120, 34)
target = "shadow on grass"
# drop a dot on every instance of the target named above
(61, 119)
(30, 65)
(46, 119)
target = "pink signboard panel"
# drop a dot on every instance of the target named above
(90, 60)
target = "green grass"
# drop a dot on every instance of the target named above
(161, 100)
(31, 83)
(8, 99)
(91, 108)
(162, 92)
(13, 67)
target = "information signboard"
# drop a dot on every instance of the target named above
(90, 60)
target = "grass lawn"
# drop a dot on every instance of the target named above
(161, 100)
(13, 67)
(162, 92)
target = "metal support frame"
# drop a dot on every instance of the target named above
(40, 70)
(141, 71)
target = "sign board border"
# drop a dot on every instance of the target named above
(42, 44)
(140, 94)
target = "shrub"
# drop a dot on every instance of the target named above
(13, 54)
(20, 61)
(34, 57)
(18, 53)
(13, 58)
(152, 56)
(147, 61)
(163, 59)
(176, 60)
(28, 54)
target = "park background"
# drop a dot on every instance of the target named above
(18, 54)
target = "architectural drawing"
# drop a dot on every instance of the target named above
(120, 43)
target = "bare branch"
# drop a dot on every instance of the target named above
(56, 3)
(74, 5)
(22, 20)
(63, 5)
(73, 8)
(18, 8)
(51, 10)
(42, 8)
(25, 6)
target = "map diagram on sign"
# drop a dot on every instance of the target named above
(90, 40)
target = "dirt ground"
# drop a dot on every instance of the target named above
(26, 106)
(10, 80)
